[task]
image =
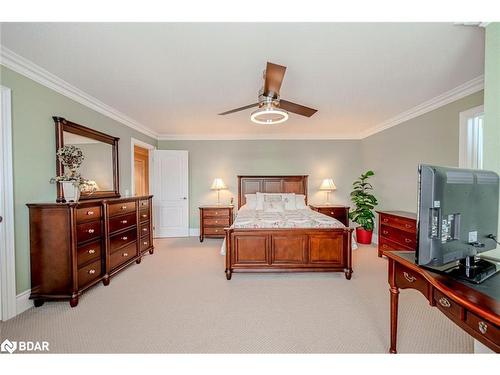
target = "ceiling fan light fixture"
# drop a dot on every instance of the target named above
(269, 115)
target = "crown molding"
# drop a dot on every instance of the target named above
(459, 92)
(36, 73)
(257, 137)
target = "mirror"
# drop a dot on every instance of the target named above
(100, 163)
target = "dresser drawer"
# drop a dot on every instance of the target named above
(143, 215)
(386, 245)
(447, 305)
(483, 327)
(119, 240)
(121, 208)
(89, 273)
(87, 231)
(399, 236)
(121, 222)
(144, 229)
(89, 252)
(214, 231)
(402, 223)
(124, 254)
(144, 203)
(88, 214)
(145, 243)
(216, 212)
(216, 222)
(406, 278)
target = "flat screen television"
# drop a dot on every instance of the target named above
(457, 220)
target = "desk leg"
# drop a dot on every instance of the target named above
(394, 318)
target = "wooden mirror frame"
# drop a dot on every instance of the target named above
(63, 125)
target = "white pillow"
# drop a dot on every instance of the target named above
(289, 200)
(251, 201)
(274, 206)
(300, 201)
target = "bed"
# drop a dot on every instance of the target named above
(290, 245)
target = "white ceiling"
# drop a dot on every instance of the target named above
(175, 78)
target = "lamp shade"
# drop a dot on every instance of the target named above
(218, 184)
(327, 185)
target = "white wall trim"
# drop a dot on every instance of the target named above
(23, 302)
(250, 137)
(134, 142)
(7, 242)
(29, 69)
(194, 232)
(459, 92)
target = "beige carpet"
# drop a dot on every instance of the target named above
(178, 300)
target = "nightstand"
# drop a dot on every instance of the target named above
(213, 220)
(341, 213)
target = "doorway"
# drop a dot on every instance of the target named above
(141, 170)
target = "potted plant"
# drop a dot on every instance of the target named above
(72, 182)
(365, 202)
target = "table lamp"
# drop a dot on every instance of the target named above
(328, 186)
(218, 185)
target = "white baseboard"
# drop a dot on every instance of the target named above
(194, 232)
(23, 302)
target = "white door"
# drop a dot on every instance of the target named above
(170, 189)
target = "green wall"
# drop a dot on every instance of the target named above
(339, 160)
(33, 106)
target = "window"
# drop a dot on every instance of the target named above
(471, 138)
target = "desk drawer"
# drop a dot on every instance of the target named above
(216, 212)
(123, 255)
(402, 223)
(399, 236)
(88, 231)
(121, 208)
(483, 327)
(88, 214)
(216, 222)
(91, 251)
(447, 305)
(119, 240)
(121, 222)
(89, 273)
(406, 278)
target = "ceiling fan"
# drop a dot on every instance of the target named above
(273, 109)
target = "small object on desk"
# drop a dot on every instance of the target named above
(397, 230)
(339, 212)
(213, 220)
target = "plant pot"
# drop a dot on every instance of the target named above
(71, 192)
(364, 236)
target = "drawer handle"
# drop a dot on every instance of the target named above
(123, 207)
(90, 213)
(408, 225)
(331, 213)
(144, 215)
(144, 229)
(145, 243)
(384, 246)
(91, 251)
(444, 302)
(124, 238)
(483, 327)
(216, 213)
(124, 221)
(90, 230)
(92, 271)
(385, 232)
(385, 220)
(409, 277)
(407, 240)
(143, 204)
(125, 254)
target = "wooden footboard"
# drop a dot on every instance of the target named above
(289, 250)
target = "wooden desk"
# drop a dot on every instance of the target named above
(474, 308)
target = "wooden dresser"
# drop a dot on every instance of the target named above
(397, 230)
(76, 245)
(213, 220)
(341, 213)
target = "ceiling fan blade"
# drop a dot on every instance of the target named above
(297, 108)
(273, 79)
(239, 109)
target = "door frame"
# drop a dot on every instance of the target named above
(136, 142)
(463, 145)
(7, 241)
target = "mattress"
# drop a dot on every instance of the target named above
(304, 218)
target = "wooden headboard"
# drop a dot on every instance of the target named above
(270, 184)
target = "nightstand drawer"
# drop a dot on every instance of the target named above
(214, 231)
(216, 212)
(216, 222)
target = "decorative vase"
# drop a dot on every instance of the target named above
(363, 236)
(71, 192)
